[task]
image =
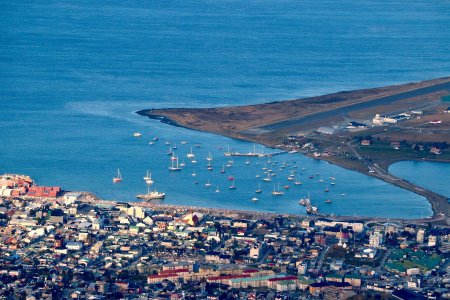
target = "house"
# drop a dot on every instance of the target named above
(435, 150)
(395, 145)
(365, 142)
(447, 111)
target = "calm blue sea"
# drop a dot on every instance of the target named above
(431, 175)
(72, 74)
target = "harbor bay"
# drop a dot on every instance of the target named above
(71, 121)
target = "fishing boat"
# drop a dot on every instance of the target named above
(137, 134)
(175, 166)
(118, 178)
(259, 189)
(305, 201)
(277, 192)
(151, 195)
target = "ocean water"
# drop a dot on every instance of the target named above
(73, 74)
(436, 174)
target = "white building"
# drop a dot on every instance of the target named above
(432, 240)
(255, 251)
(376, 239)
(75, 246)
(420, 237)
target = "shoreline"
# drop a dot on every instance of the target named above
(197, 119)
(439, 203)
(92, 199)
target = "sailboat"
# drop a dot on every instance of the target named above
(223, 170)
(148, 178)
(191, 154)
(174, 166)
(170, 152)
(209, 166)
(268, 179)
(208, 184)
(217, 189)
(209, 158)
(182, 164)
(232, 186)
(247, 162)
(259, 189)
(277, 192)
(327, 189)
(118, 178)
(297, 182)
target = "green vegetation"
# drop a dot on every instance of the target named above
(403, 259)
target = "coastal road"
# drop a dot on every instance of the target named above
(343, 111)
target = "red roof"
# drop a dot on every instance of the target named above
(283, 278)
(225, 277)
(162, 276)
(250, 271)
(174, 271)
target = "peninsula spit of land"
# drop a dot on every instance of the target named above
(363, 130)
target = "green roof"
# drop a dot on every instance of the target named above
(333, 276)
(353, 275)
(304, 280)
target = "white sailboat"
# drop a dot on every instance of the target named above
(148, 178)
(259, 189)
(209, 158)
(118, 178)
(277, 192)
(268, 178)
(191, 154)
(208, 184)
(175, 166)
(232, 186)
